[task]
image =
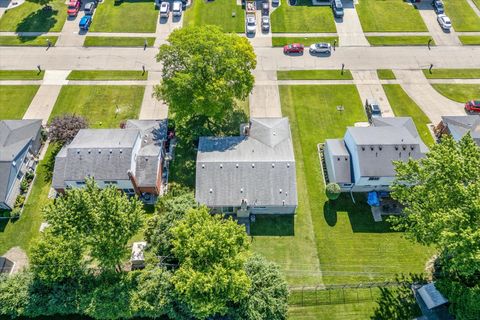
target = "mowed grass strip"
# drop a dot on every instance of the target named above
(302, 18)
(462, 15)
(92, 41)
(459, 92)
(125, 16)
(386, 74)
(404, 106)
(306, 41)
(351, 247)
(452, 73)
(389, 16)
(218, 13)
(31, 16)
(399, 40)
(314, 75)
(470, 40)
(99, 104)
(350, 311)
(17, 41)
(14, 101)
(96, 75)
(21, 75)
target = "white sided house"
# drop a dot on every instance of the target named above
(251, 173)
(363, 160)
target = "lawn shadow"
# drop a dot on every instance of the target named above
(273, 225)
(41, 20)
(3, 224)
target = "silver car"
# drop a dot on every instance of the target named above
(444, 22)
(251, 24)
(164, 10)
(265, 23)
(322, 47)
(89, 8)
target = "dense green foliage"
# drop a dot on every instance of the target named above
(333, 191)
(464, 299)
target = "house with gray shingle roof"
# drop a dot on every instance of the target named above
(131, 158)
(458, 126)
(20, 141)
(363, 160)
(251, 173)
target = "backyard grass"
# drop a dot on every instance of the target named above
(217, 13)
(356, 311)
(302, 18)
(403, 106)
(452, 73)
(107, 75)
(125, 16)
(399, 40)
(477, 3)
(99, 103)
(459, 92)
(462, 15)
(31, 17)
(93, 41)
(385, 74)
(14, 100)
(21, 75)
(470, 40)
(16, 41)
(389, 16)
(348, 246)
(314, 75)
(306, 41)
(24, 230)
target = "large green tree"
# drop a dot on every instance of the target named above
(204, 71)
(441, 194)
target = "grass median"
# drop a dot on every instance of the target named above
(21, 75)
(98, 75)
(470, 40)
(306, 41)
(93, 41)
(459, 92)
(16, 41)
(15, 100)
(385, 74)
(399, 40)
(452, 73)
(314, 75)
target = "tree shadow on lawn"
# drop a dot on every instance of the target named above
(40, 20)
(117, 3)
(359, 213)
(273, 225)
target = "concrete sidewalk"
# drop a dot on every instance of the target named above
(369, 87)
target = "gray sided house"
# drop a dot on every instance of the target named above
(363, 160)
(132, 159)
(458, 126)
(251, 173)
(20, 141)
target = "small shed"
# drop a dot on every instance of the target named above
(433, 304)
(138, 257)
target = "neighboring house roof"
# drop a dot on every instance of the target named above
(459, 126)
(15, 135)
(431, 296)
(341, 166)
(109, 154)
(258, 168)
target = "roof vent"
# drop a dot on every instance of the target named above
(236, 165)
(211, 190)
(404, 148)
(380, 148)
(203, 166)
(89, 151)
(221, 166)
(121, 151)
(286, 193)
(363, 148)
(111, 151)
(273, 165)
(412, 148)
(283, 202)
(241, 190)
(78, 151)
(99, 151)
(396, 148)
(288, 165)
(371, 148)
(253, 165)
(280, 190)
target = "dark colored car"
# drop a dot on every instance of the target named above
(438, 6)
(337, 8)
(265, 8)
(89, 8)
(293, 48)
(473, 106)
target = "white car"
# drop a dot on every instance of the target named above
(177, 8)
(164, 10)
(444, 22)
(266, 23)
(251, 24)
(321, 47)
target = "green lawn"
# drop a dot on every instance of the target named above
(477, 3)
(93, 41)
(462, 15)
(356, 311)
(470, 40)
(107, 75)
(23, 231)
(125, 16)
(15, 100)
(452, 73)
(385, 74)
(15, 41)
(314, 75)
(281, 41)
(403, 106)
(217, 13)
(21, 75)
(302, 18)
(459, 92)
(389, 16)
(348, 246)
(99, 103)
(399, 40)
(31, 17)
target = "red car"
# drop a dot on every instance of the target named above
(293, 48)
(472, 106)
(74, 8)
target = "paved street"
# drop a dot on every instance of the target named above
(441, 37)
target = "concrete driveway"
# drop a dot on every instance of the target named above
(369, 87)
(441, 37)
(265, 98)
(349, 29)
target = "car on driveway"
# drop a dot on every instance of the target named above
(164, 9)
(337, 8)
(444, 22)
(473, 106)
(265, 23)
(89, 8)
(275, 3)
(265, 8)
(251, 24)
(293, 48)
(85, 22)
(73, 8)
(372, 108)
(438, 6)
(322, 47)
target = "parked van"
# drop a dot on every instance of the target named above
(337, 8)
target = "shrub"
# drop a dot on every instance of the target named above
(15, 213)
(24, 186)
(333, 191)
(19, 201)
(29, 175)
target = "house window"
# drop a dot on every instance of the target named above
(80, 183)
(110, 182)
(228, 210)
(129, 191)
(373, 178)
